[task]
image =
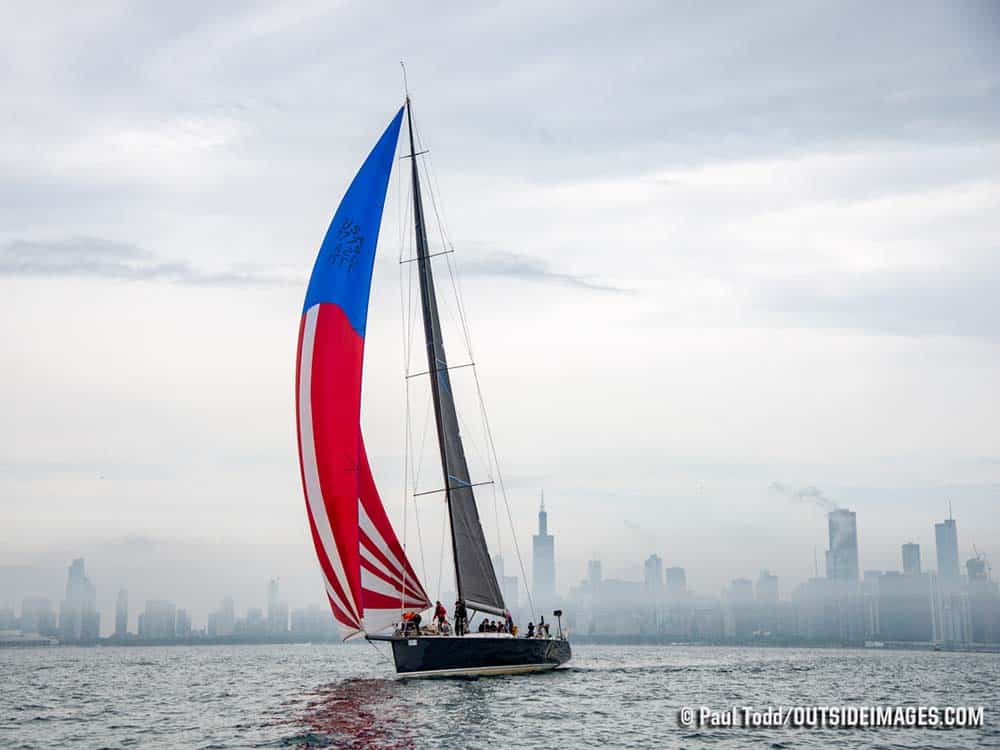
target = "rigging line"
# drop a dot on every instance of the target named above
(432, 255)
(384, 656)
(404, 250)
(456, 286)
(420, 539)
(449, 248)
(445, 489)
(406, 458)
(496, 521)
(406, 421)
(470, 438)
(463, 318)
(445, 240)
(416, 512)
(444, 518)
(436, 189)
(441, 369)
(423, 443)
(506, 501)
(434, 205)
(407, 428)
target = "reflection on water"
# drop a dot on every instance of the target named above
(328, 696)
(361, 713)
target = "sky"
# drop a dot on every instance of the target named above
(711, 257)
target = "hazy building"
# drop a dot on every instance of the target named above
(911, 559)
(619, 609)
(543, 563)
(828, 610)
(7, 619)
(653, 573)
(946, 541)
(314, 622)
(254, 624)
(223, 622)
(905, 607)
(740, 591)
(182, 624)
(508, 584)
(984, 603)
(594, 575)
(78, 616)
(676, 581)
(767, 587)
(842, 557)
(121, 614)
(976, 570)
(37, 616)
(277, 610)
(738, 618)
(158, 620)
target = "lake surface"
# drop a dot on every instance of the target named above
(313, 696)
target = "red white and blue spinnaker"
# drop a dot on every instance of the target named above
(369, 580)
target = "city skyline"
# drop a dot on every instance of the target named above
(163, 619)
(771, 273)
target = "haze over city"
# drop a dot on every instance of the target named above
(719, 281)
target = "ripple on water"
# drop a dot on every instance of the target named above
(344, 696)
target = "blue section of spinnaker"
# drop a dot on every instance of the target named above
(343, 271)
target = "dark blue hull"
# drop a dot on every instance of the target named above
(446, 656)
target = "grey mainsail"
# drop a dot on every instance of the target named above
(474, 575)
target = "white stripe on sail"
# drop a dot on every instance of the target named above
(375, 584)
(379, 619)
(368, 555)
(310, 469)
(335, 597)
(369, 528)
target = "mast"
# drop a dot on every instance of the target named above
(474, 576)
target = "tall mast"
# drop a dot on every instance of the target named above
(474, 576)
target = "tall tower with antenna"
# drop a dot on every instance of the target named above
(543, 563)
(946, 542)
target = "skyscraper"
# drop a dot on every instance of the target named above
(976, 568)
(543, 564)
(653, 573)
(740, 591)
(676, 580)
(182, 624)
(159, 620)
(594, 575)
(78, 616)
(767, 587)
(508, 584)
(277, 610)
(37, 616)
(842, 557)
(911, 559)
(946, 541)
(225, 618)
(121, 614)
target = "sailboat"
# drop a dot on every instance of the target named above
(370, 583)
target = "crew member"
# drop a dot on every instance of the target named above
(461, 619)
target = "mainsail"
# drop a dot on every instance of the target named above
(368, 577)
(474, 576)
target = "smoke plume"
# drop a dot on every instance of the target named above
(808, 494)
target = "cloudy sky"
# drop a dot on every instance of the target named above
(702, 250)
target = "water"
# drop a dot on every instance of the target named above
(314, 696)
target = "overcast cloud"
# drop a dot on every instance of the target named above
(704, 250)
